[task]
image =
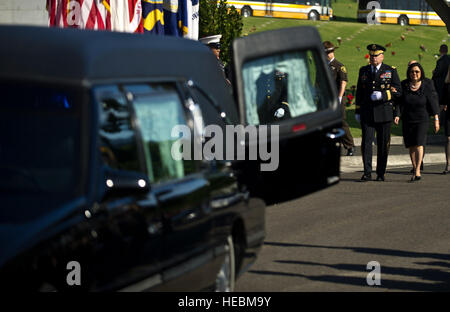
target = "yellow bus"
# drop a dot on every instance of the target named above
(402, 12)
(299, 9)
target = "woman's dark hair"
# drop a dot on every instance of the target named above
(410, 67)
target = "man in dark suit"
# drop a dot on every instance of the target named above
(440, 72)
(378, 85)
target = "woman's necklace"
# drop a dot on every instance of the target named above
(415, 86)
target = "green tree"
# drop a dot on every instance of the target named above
(218, 18)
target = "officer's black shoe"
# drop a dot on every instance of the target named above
(366, 177)
(380, 178)
(350, 151)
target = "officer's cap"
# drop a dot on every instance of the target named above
(329, 47)
(375, 49)
(211, 41)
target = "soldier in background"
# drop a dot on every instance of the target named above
(440, 72)
(340, 77)
(213, 42)
(378, 86)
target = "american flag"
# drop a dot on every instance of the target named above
(115, 15)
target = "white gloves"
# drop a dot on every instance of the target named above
(340, 100)
(376, 96)
(279, 113)
(358, 118)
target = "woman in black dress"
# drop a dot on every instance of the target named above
(418, 101)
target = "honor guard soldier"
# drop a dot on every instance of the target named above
(339, 73)
(213, 42)
(378, 86)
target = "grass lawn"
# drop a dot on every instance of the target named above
(356, 36)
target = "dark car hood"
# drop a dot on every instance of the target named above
(17, 237)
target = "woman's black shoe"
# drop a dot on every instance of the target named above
(416, 178)
(421, 168)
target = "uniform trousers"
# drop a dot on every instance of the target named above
(383, 131)
(347, 139)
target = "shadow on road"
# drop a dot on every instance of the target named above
(434, 279)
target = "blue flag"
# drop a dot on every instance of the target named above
(153, 16)
(175, 17)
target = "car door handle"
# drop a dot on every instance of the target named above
(335, 134)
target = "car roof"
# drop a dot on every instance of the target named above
(88, 57)
(75, 55)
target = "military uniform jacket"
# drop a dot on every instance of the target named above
(339, 73)
(439, 74)
(383, 81)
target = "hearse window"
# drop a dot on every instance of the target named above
(40, 150)
(158, 110)
(284, 86)
(118, 145)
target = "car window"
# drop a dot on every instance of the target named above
(41, 149)
(284, 86)
(118, 145)
(39, 139)
(159, 110)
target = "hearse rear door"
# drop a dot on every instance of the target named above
(281, 80)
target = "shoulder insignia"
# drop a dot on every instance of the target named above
(343, 69)
(393, 67)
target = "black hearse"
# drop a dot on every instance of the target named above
(91, 196)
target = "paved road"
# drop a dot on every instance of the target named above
(324, 241)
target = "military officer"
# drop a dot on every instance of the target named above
(378, 86)
(340, 77)
(273, 96)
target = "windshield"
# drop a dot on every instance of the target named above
(39, 148)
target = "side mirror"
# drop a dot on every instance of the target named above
(122, 182)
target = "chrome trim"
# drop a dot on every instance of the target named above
(144, 284)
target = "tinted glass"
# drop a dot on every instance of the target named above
(39, 149)
(118, 145)
(284, 86)
(414, 5)
(158, 111)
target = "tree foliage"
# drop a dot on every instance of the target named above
(218, 18)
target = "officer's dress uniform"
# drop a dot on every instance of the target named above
(376, 116)
(272, 97)
(339, 73)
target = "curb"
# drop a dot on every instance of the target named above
(398, 140)
(355, 163)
